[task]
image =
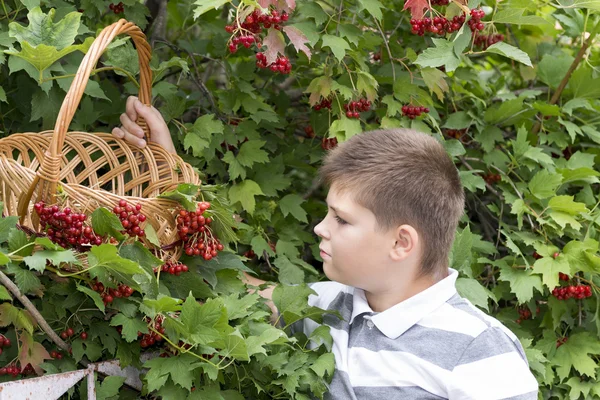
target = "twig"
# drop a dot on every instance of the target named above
(387, 46)
(567, 76)
(487, 185)
(33, 311)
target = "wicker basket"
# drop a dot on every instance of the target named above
(92, 170)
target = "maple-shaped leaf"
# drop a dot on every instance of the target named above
(575, 353)
(416, 7)
(275, 45)
(287, 5)
(298, 39)
(32, 353)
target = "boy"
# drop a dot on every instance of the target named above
(394, 203)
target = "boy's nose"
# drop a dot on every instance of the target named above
(321, 231)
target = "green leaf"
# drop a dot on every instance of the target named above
(337, 45)
(515, 16)
(552, 68)
(235, 347)
(138, 253)
(185, 194)
(162, 305)
(549, 268)
(42, 29)
(251, 152)
(244, 192)
(26, 280)
(204, 323)
(199, 137)
(11, 315)
(291, 300)
(37, 261)
(292, 204)
(109, 388)
(2, 92)
(473, 291)
(460, 256)
(289, 273)
(344, 128)
(4, 295)
(106, 256)
(506, 50)
(567, 205)
(106, 223)
(151, 235)
(180, 368)
(441, 54)
(471, 181)
(325, 364)
(94, 295)
(373, 7)
(130, 326)
(203, 6)
(544, 184)
(575, 353)
(522, 282)
(238, 307)
(458, 120)
(43, 56)
(6, 224)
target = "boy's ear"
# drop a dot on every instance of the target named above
(406, 242)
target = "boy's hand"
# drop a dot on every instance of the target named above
(133, 133)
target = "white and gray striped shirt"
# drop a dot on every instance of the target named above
(434, 345)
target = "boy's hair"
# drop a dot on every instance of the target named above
(403, 177)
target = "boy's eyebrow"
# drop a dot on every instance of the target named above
(337, 211)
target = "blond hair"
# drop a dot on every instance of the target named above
(403, 177)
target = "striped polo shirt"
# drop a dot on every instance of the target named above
(434, 345)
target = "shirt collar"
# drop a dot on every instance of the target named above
(396, 320)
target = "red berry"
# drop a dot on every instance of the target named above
(83, 335)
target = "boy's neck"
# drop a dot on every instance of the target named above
(381, 301)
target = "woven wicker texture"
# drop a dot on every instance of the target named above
(91, 170)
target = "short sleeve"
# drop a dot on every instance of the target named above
(493, 367)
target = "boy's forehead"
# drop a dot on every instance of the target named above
(340, 199)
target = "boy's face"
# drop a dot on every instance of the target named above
(354, 252)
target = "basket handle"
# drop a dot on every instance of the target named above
(49, 170)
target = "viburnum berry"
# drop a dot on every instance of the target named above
(485, 41)
(576, 292)
(555, 255)
(250, 254)
(436, 25)
(325, 103)
(83, 335)
(561, 341)
(130, 217)
(524, 314)
(281, 65)
(153, 337)
(117, 8)
(492, 178)
(66, 228)
(354, 108)
(173, 268)
(309, 131)
(536, 255)
(475, 22)
(195, 232)
(328, 144)
(563, 277)
(413, 112)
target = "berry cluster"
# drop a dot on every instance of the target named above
(151, 338)
(245, 41)
(194, 231)
(485, 41)
(455, 133)
(110, 295)
(250, 254)
(325, 103)
(309, 131)
(173, 268)
(475, 22)
(281, 64)
(561, 341)
(56, 354)
(413, 112)
(117, 8)
(13, 370)
(576, 292)
(254, 21)
(354, 108)
(536, 255)
(65, 228)
(248, 33)
(328, 144)
(130, 217)
(437, 25)
(490, 178)
(4, 342)
(67, 333)
(524, 313)
(563, 277)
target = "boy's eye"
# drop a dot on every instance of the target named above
(340, 221)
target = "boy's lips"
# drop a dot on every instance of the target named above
(323, 253)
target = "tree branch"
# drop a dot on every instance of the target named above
(567, 76)
(33, 311)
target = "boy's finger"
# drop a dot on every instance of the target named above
(131, 126)
(153, 120)
(121, 133)
(130, 108)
